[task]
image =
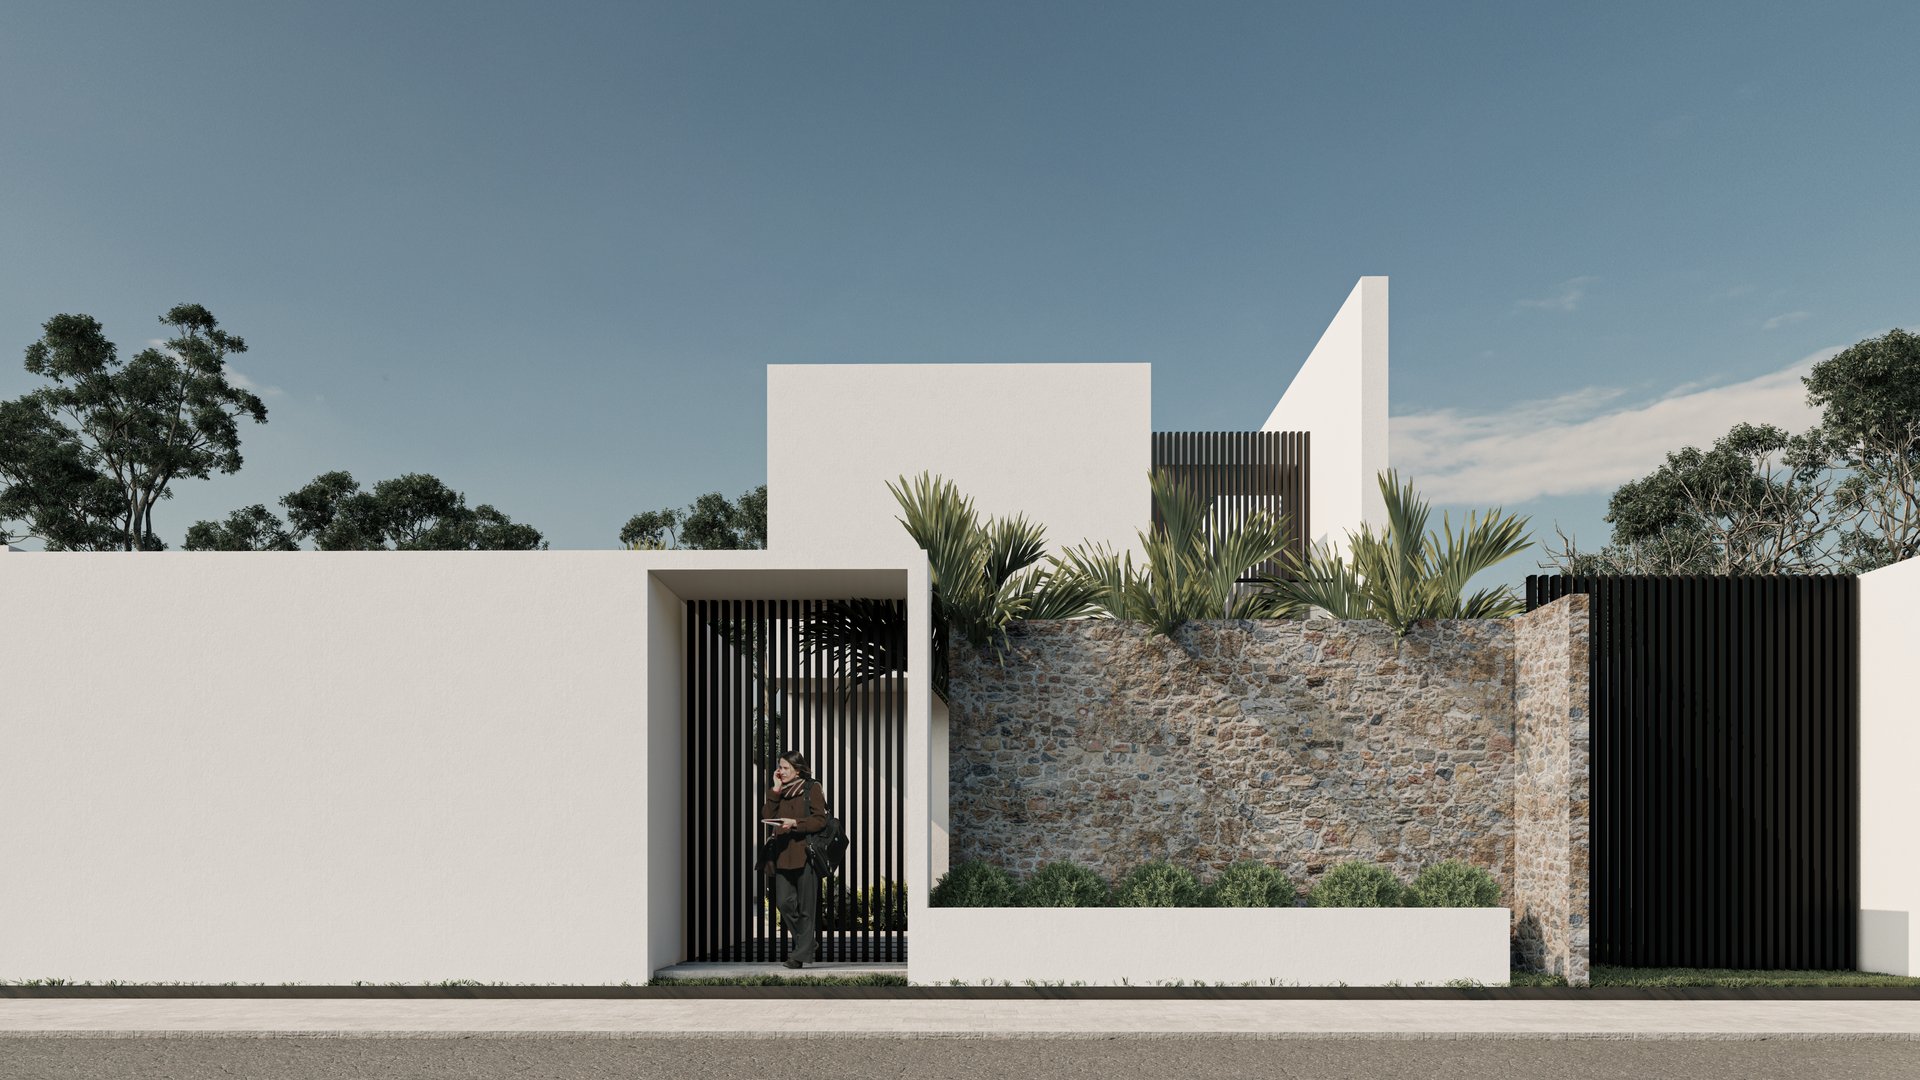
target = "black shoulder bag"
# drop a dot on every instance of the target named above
(827, 849)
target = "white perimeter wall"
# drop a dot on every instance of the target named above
(1340, 396)
(384, 766)
(1259, 946)
(1069, 445)
(1889, 759)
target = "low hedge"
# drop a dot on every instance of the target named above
(1248, 883)
(1157, 884)
(1065, 884)
(1453, 883)
(1251, 884)
(1357, 884)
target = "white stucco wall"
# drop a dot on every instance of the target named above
(1889, 759)
(382, 766)
(1258, 946)
(1067, 444)
(1340, 396)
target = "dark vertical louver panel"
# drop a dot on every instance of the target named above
(754, 688)
(1239, 472)
(1725, 769)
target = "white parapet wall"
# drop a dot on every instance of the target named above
(1069, 445)
(1889, 758)
(1262, 946)
(327, 767)
(1339, 396)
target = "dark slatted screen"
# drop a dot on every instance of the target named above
(1243, 471)
(754, 688)
(1725, 769)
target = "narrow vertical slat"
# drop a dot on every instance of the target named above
(1639, 750)
(1849, 719)
(690, 711)
(1812, 667)
(1709, 874)
(703, 809)
(1776, 761)
(896, 810)
(1804, 839)
(1709, 871)
(727, 816)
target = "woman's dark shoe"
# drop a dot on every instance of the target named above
(795, 964)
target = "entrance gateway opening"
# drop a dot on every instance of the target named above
(826, 678)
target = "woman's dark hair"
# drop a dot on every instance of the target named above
(799, 762)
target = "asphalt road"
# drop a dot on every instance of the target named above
(176, 1057)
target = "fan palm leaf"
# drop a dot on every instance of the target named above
(1408, 573)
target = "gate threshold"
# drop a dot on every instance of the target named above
(828, 970)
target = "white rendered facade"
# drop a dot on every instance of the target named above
(409, 767)
(1340, 396)
(1889, 753)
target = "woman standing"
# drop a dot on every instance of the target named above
(794, 807)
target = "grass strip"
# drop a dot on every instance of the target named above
(1604, 975)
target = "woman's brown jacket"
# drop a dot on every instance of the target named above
(788, 851)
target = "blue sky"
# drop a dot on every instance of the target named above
(546, 251)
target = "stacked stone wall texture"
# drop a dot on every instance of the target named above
(1550, 897)
(1300, 744)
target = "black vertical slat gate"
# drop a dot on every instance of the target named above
(1724, 769)
(755, 687)
(1244, 471)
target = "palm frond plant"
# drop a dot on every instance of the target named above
(1406, 573)
(985, 574)
(1194, 559)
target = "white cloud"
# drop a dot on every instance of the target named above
(1584, 441)
(235, 378)
(1566, 298)
(1787, 319)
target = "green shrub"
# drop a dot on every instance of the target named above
(1453, 883)
(1157, 884)
(1251, 884)
(882, 906)
(1356, 884)
(1065, 884)
(974, 884)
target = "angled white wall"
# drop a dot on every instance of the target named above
(1889, 758)
(1340, 396)
(1067, 444)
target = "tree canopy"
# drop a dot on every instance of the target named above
(1842, 496)
(413, 512)
(84, 461)
(709, 523)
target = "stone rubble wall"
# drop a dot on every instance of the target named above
(1300, 744)
(1551, 821)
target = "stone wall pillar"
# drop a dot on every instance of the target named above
(1551, 792)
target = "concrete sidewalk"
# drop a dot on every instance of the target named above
(711, 1018)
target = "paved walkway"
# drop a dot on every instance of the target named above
(733, 1018)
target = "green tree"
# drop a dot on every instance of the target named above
(84, 461)
(414, 512)
(709, 523)
(1406, 573)
(250, 528)
(1843, 496)
(1759, 501)
(1870, 400)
